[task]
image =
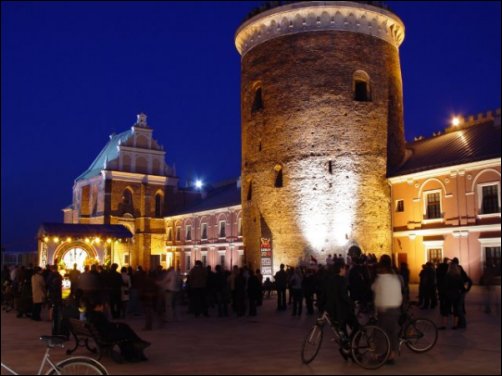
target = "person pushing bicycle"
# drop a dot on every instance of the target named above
(335, 300)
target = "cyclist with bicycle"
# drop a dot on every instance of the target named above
(335, 300)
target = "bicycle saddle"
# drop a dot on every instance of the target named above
(54, 341)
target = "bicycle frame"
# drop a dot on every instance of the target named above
(46, 359)
(325, 319)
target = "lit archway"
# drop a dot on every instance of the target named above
(77, 252)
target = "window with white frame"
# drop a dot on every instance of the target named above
(492, 258)
(434, 251)
(239, 227)
(222, 229)
(222, 260)
(188, 232)
(169, 234)
(434, 255)
(203, 231)
(178, 233)
(490, 254)
(489, 198)
(432, 205)
(188, 263)
(126, 259)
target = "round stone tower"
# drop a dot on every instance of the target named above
(322, 126)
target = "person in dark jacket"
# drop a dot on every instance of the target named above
(55, 298)
(281, 281)
(254, 292)
(114, 288)
(131, 346)
(222, 291)
(335, 299)
(445, 307)
(466, 284)
(198, 288)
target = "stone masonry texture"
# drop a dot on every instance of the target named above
(335, 152)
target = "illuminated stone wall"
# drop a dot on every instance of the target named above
(333, 150)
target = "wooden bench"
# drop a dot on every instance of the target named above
(84, 332)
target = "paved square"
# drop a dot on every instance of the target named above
(268, 344)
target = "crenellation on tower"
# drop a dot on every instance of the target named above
(462, 122)
(299, 17)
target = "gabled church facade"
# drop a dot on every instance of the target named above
(129, 184)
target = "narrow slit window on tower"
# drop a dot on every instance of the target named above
(278, 176)
(250, 192)
(258, 100)
(361, 86)
(330, 167)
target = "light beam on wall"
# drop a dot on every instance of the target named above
(328, 215)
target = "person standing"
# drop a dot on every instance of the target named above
(55, 299)
(388, 297)
(169, 285)
(444, 303)
(309, 287)
(404, 271)
(222, 291)
(115, 289)
(281, 281)
(74, 275)
(334, 299)
(260, 281)
(198, 284)
(39, 292)
(296, 282)
(254, 292)
(124, 291)
(464, 285)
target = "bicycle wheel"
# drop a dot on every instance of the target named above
(420, 335)
(79, 365)
(370, 347)
(312, 344)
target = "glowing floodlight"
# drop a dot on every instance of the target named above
(198, 184)
(455, 121)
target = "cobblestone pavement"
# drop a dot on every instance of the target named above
(268, 344)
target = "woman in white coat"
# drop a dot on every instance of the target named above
(387, 290)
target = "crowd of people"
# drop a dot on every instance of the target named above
(337, 287)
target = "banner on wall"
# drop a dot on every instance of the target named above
(266, 257)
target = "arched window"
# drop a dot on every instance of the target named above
(127, 197)
(278, 176)
(127, 203)
(361, 86)
(158, 205)
(258, 100)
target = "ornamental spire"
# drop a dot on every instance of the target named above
(141, 120)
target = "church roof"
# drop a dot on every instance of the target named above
(109, 152)
(471, 144)
(221, 196)
(81, 230)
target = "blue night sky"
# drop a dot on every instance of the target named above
(74, 72)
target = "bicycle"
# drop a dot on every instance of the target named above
(368, 346)
(418, 334)
(77, 365)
